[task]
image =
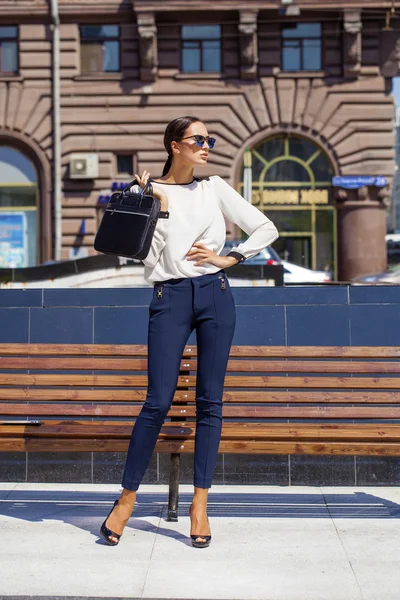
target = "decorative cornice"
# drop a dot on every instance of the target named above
(198, 5)
(28, 8)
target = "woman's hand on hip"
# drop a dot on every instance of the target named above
(202, 255)
(157, 191)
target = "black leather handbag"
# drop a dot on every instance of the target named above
(128, 224)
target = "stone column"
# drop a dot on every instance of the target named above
(352, 41)
(148, 46)
(248, 44)
(361, 220)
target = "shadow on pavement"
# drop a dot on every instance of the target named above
(87, 510)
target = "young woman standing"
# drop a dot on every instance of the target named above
(191, 291)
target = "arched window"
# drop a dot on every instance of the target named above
(18, 210)
(289, 177)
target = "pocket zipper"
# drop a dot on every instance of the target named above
(222, 282)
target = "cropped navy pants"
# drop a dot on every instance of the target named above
(179, 306)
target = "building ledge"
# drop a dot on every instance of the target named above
(99, 77)
(300, 74)
(11, 77)
(184, 76)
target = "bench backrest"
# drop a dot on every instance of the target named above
(108, 382)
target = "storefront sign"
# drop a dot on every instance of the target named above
(355, 182)
(290, 197)
(13, 240)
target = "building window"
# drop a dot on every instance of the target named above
(291, 180)
(100, 49)
(18, 210)
(201, 48)
(301, 47)
(125, 164)
(8, 50)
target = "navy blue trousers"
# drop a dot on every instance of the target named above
(204, 303)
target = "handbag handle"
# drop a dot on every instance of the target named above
(148, 187)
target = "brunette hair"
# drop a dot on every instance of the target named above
(174, 132)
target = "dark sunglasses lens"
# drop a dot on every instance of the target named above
(211, 143)
(200, 140)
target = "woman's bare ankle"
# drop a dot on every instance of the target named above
(128, 497)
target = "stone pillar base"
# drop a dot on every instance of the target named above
(361, 218)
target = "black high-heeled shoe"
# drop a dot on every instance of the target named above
(206, 538)
(107, 533)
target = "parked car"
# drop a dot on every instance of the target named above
(295, 274)
(389, 277)
(268, 256)
(291, 273)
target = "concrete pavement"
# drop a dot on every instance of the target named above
(269, 543)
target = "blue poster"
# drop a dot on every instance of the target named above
(352, 182)
(13, 240)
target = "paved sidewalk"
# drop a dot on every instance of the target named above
(269, 543)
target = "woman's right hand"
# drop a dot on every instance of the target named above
(157, 192)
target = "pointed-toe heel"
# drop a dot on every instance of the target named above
(107, 533)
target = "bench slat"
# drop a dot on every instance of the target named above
(126, 364)
(236, 351)
(233, 431)
(187, 396)
(229, 411)
(227, 446)
(20, 379)
(239, 366)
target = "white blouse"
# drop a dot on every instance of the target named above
(196, 214)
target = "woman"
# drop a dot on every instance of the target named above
(191, 291)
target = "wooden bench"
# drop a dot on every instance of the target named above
(277, 400)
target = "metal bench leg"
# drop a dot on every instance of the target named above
(173, 498)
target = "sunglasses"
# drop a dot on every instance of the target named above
(200, 139)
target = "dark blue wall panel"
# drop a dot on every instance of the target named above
(260, 325)
(375, 325)
(306, 315)
(121, 325)
(61, 325)
(318, 325)
(94, 297)
(14, 298)
(14, 325)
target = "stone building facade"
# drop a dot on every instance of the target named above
(298, 89)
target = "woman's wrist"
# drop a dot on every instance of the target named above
(232, 261)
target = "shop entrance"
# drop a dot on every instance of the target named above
(18, 210)
(290, 181)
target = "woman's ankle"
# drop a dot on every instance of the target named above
(127, 497)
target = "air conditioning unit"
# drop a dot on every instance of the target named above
(84, 166)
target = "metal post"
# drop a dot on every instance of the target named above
(247, 176)
(175, 466)
(173, 498)
(56, 129)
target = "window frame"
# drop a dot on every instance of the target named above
(300, 40)
(16, 41)
(200, 41)
(100, 41)
(133, 156)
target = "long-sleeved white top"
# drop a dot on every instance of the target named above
(196, 214)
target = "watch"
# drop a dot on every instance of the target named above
(163, 214)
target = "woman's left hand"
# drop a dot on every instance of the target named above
(202, 254)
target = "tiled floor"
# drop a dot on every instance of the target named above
(269, 543)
